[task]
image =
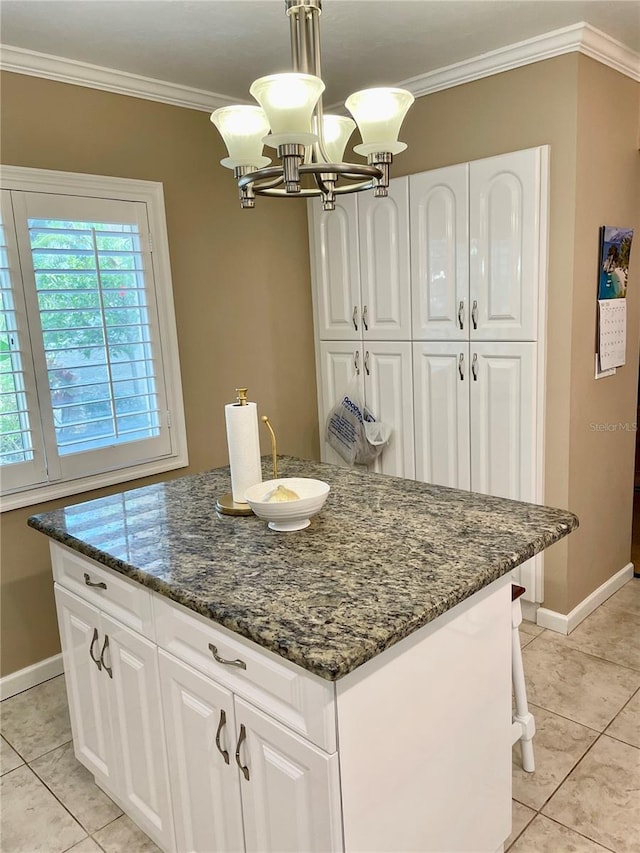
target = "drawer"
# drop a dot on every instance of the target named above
(302, 701)
(125, 600)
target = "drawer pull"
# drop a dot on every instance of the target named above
(105, 647)
(223, 752)
(365, 318)
(241, 739)
(461, 314)
(354, 317)
(237, 662)
(94, 640)
(89, 582)
(474, 313)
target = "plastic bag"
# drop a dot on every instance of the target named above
(352, 430)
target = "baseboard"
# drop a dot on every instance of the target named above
(28, 677)
(565, 623)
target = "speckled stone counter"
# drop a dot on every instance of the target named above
(384, 557)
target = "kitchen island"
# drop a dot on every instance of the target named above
(344, 687)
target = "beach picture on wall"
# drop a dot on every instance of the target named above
(615, 248)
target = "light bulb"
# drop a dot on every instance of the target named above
(242, 129)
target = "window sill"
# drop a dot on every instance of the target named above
(51, 491)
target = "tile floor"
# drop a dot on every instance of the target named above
(583, 798)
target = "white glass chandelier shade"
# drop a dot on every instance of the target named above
(288, 101)
(379, 114)
(242, 128)
(336, 131)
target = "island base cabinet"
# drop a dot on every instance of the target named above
(200, 721)
(425, 743)
(241, 780)
(113, 690)
(290, 790)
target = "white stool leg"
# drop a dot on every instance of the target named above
(522, 717)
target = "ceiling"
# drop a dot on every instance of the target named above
(221, 46)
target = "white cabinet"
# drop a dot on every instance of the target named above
(476, 248)
(383, 376)
(290, 788)
(441, 404)
(114, 704)
(242, 780)
(475, 414)
(503, 417)
(439, 215)
(360, 266)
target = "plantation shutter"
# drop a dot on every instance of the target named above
(90, 294)
(21, 446)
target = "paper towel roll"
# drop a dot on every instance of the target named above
(244, 448)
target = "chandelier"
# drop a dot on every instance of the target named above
(309, 144)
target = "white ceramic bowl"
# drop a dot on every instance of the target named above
(285, 516)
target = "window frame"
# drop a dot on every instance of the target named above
(23, 179)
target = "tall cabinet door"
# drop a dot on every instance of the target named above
(441, 382)
(388, 391)
(504, 226)
(439, 203)
(336, 270)
(290, 790)
(132, 663)
(340, 363)
(503, 419)
(86, 682)
(201, 741)
(383, 225)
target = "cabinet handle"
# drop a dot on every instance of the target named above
(241, 739)
(461, 365)
(89, 582)
(461, 314)
(237, 662)
(223, 721)
(365, 318)
(474, 367)
(94, 640)
(105, 647)
(356, 361)
(354, 317)
(474, 313)
(366, 363)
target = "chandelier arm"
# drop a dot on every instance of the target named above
(293, 35)
(360, 170)
(314, 192)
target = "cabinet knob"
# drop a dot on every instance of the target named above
(89, 582)
(237, 662)
(241, 739)
(354, 317)
(221, 724)
(94, 640)
(461, 314)
(105, 648)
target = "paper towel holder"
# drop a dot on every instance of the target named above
(226, 504)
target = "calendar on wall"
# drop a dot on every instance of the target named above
(615, 249)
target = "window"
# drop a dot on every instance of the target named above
(89, 377)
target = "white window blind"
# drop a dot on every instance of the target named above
(102, 385)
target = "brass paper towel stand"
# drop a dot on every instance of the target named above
(226, 504)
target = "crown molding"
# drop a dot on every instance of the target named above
(35, 64)
(578, 37)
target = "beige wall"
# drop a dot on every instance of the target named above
(601, 464)
(241, 288)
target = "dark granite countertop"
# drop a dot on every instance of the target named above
(384, 557)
